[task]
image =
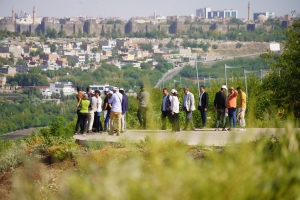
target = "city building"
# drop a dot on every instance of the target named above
(2, 81)
(200, 13)
(56, 88)
(269, 15)
(6, 69)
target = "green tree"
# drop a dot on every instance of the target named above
(145, 65)
(53, 47)
(102, 34)
(170, 44)
(20, 61)
(147, 47)
(283, 80)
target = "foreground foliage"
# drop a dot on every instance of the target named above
(265, 169)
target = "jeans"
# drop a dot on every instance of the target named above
(164, 115)
(142, 116)
(97, 122)
(114, 115)
(221, 112)
(106, 121)
(232, 117)
(123, 122)
(203, 116)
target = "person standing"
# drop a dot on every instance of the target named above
(220, 107)
(78, 97)
(116, 110)
(124, 109)
(203, 105)
(91, 109)
(107, 109)
(231, 107)
(84, 105)
(97, 111)
(175, 111)
(143, 98)
(241, 101)
(188, 106)
(166, 108)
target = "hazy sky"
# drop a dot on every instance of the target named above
(129, 8)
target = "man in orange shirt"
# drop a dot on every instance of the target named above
(241, 101)
(231, 107)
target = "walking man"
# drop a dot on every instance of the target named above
(166, 108)
(188, 106)
(116, 110)
(241, 101)
(231, 107)
(143, 98)
(124, 109)
(203, 105)
(220, 107)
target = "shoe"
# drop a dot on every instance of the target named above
(90, 131)
(118, 134)
(76, 133)
(100, 132)
(84, 134)
(224, 129)
(242, 129)
(216, 129)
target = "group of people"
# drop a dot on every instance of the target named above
(115, 106)
(223, 105)
(89, 109)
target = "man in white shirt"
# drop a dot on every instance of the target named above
(116, 110)
(188, 106)
(97, 111)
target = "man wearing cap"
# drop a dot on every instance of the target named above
(241, 101)
(220, 107)
(166, 108)
(143, 98)
(203, 105)
(116, 110)
(106, 109)
(124, 109)
(188, 106)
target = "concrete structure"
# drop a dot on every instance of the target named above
(249, 7)
(57, 87)
(2, 81)
(34, 15)
(269, 15)
(6, 69)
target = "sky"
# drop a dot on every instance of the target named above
(131, 8)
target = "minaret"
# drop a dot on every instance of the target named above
(34, 15)
(249, 11)
(13, 14)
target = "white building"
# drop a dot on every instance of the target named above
(57, 87)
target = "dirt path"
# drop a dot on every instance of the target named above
(19, 134)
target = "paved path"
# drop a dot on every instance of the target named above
(18, 134)
(199, 136)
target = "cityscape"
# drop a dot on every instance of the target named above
(149, 99)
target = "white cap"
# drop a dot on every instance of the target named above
(110, 92)
(173, 91)
(115, 88)
(106, 90)
(122, 89)
(224, 87)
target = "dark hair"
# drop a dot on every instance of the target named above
(186, 88)
(202, 86)
(165, 89)
(175, 94)
(97, 91)
(238, 88)
(78, 88)
(88, 88)
(122, 92)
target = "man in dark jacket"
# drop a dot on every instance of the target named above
(166, 108)
(124, 109)
(203, 105)
(220, 107)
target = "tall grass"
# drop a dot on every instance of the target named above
(268, 168)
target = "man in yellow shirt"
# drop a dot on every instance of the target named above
(241, 101)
